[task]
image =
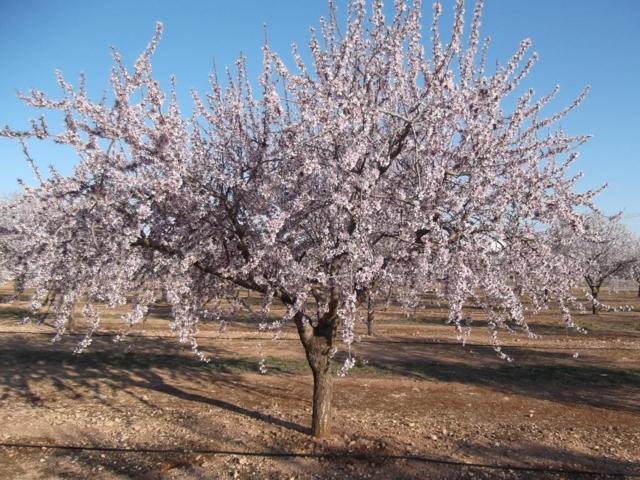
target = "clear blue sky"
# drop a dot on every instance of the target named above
(580, 42)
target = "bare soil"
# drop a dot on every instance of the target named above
(415, 395)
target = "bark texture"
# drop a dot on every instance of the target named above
(595, 291)
(318, 343)
(322, 392)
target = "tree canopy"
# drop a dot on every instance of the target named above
(386, 160)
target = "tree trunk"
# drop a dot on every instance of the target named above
(71, 322)
(370, 315)
(317, 349)
(595, 290)
(317, 342)
(322, 396)
(387, 300)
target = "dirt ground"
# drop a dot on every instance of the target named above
(417, 405)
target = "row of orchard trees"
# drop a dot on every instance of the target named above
(605, 253)
(386, 161)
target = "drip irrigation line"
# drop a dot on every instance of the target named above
(327, 455)
(364, 342)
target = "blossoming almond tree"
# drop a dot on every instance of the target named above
(386, 160)
(5, 227)
(605, 250)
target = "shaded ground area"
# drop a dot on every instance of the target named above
(413, 393)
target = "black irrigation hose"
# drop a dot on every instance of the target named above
(328, 455)
(370, 342)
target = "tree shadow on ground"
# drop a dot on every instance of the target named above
(159, 366)
(16, 314)
(535, 373)
(24, 370)
(531, 461)
(535, 454)
(601, 327)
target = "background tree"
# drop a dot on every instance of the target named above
(16, 220)
(5, 228)
(371, 311)
(605, 250)
(374, 162)
(635, 267)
